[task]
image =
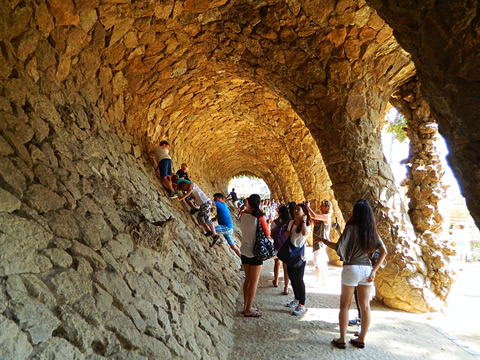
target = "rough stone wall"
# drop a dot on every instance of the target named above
(87, 87)
(96, 262)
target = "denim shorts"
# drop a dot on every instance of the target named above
(226, 232)
(354, 275)
(165, 167)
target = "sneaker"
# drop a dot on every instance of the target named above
(299, 310)
(193, 211)
(354, 322)
(292, 304)
(173, 195)
(214, 241)
(208, 233)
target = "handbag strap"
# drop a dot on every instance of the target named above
(291, 227)
(290, 231)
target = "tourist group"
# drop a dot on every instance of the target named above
(289, 225)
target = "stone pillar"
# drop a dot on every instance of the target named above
(352, 152)
(424, 184)
(448, 72)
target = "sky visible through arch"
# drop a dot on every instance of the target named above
(453, 207)
(247, 185)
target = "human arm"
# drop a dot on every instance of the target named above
(187, 193)
(319, 217)
(381, 257)
(305, 229)
(330, 244)
(265, 227)
(273, 225)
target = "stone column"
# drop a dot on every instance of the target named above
(449, 75)
(351, 147)
(424, 184)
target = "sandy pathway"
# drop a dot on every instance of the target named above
(279, 335)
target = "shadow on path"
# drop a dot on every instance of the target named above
(393, 334)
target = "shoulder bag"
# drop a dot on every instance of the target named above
(291, 255)
(263, 248)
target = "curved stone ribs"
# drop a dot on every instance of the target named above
(232, 86)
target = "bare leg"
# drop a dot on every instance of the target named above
(364, 304)
(276, 271)
(236, 250)
(252, 276)
(345, 302)
(206, 227)
(246, 269)
(211, 227)
(167, 182)
(190, 203)
(323, 272)
(286, 279)
(355, 295)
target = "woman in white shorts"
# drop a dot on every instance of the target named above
(359, 240)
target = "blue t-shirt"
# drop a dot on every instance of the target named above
(223, 214)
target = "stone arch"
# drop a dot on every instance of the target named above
(87, 87)
(448, 73)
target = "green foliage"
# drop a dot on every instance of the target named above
(398, 127)
(476, 250)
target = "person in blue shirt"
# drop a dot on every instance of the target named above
(225, 225)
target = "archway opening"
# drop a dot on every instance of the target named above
(456, 217)
(245, 185)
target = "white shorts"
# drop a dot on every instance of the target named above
(320, 257)
(354, 275)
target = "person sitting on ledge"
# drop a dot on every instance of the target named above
(183, 172)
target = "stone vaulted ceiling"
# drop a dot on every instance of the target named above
(289, 91)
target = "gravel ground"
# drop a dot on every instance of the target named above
(393, 334)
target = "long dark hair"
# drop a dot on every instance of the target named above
(291, 208)
(308, 221)
(254, 203)
(283, 215)
(364, 220)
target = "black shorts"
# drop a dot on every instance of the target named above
(251, 261)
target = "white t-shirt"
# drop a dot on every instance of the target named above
(199, 196)
(161, 153)
(298, 239)
(248, 224)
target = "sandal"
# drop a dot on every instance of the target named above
(357, 344)
(275, 283)
(339, 345)
(285, 292)
(253, 309)
(254, 314)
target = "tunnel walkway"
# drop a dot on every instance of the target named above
(393, 334)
